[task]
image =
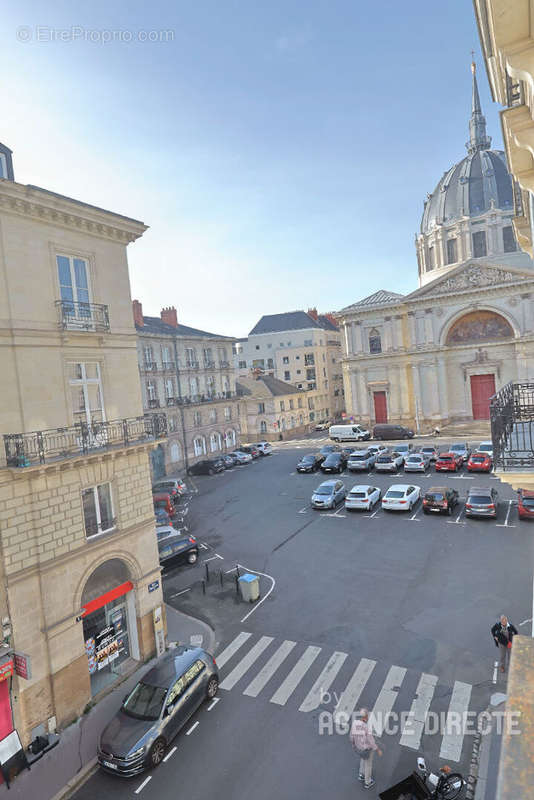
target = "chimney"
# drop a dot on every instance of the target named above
(312, 312)
(138, 313)
(169, 316)
(330, 317)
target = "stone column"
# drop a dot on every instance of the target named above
(413, 332)
(363, 393)
(348, 338)
(429, 329)
(398, 340)
(416, 380)
(354, 391)
(357, 336)
(526, 313)
(442, 388)
(388, 338)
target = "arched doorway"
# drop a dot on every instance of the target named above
(109, 622)
(157, 460)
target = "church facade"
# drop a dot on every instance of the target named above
(438, 354)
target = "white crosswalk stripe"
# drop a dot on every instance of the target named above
(341, 689)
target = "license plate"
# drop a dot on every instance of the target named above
(435, 509)
(109, 764)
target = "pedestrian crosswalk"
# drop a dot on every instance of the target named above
(305, 677)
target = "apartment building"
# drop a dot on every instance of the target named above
(301, 348)
(188, 375)
(270, 409)
(80, 593)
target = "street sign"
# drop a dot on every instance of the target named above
(6, 669)
(23, 665)
(153, 586)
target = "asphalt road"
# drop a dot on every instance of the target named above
(382, 609)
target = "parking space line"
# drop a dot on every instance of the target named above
(495, 668)
(506, 523)
(192, 728)
(140, 788)
(457, 521)
(213, 703)
(371, 516)
(178, 593)
(170, 753)
(303, 510)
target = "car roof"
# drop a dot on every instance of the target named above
(488, 442)
(480, 490)
(171, 665)
(400, 486)
(331, 482)
(438, 489)
(446, 453)
(362, 487)
(160, 496)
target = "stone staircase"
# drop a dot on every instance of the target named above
(477, 429)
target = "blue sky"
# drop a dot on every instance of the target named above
(279, 151)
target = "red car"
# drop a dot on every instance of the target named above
(479, 462)
(525, 504)
(448, 462)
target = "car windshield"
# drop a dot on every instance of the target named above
(332, 457)
(357, 494)
(428, 450)
(435, 497)
(445, 458)
(308, 459)
(485, 448)
(483, 499)
(478, 459)
(528, 502)
(383, 459)
(458, 447)
(394, 493)
(415, 458)
(403, 448)
(145, 702)
(359, 456)
(324, 490)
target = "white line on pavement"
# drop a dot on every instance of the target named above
(192, 728)
(258, 604)
(203, 546)
(452, 741)
(347, 702)
(303, 510)
(170, 753)
(178, 593)
(525, 621)
(506, 525)
(140, 788)
(495, 666)
(371, 516)
(213, 703)
(457, 521)
(286, 689)
(231, 649)
(415, 724)
(324, 681)
(246, 663)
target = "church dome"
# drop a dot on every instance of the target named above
(468, 189)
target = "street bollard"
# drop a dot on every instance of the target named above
(221, 577)
(203, 587)
(237, 584)
(237, 570)
(207, 573)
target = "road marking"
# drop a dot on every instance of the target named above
(457, 520)
(495, 668)
(170, 753)
(275, 661)
(179, 593)
(525, 621)
(213, 703)
(192, 728)
(286, 689)
(212, 558)
(323, 682)
(414, 726)
(386, 699)
(453, 737)
(140, 788)
(203, 546)
(506, 525)
(245, 664)
(462, 478)
(371, 516)
(303, 510)
(231, 649)
(351, 695)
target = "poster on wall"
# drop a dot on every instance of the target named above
(107, 644)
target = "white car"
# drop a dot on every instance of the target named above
(485, 447)
(377, 449)
(322, 425)
(401, 497)
(362, 497)
(416, 462)
(389, 462)
(242, 458)
(265, 448)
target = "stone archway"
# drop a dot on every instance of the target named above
(481, 325)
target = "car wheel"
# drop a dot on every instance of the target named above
(449, 511)
(213, 685)
(410, 507)
(157, 751)
(406, 436)
(210, 471)
(192, 557)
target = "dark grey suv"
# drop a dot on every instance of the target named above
(156, 709)
(482, 502)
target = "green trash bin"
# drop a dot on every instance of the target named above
(249, 586)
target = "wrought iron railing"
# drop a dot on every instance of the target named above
(82, 316)
(168, 365)
(192, 364)
(41, 447)
(153, 402)
(209, 364)
(512, 426)
(224, 364)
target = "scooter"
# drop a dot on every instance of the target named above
(446, 784)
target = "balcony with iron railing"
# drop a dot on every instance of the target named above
(153, 402)
(75, 316)
(55, 444)
(191, 364)
(149, 366)
(209, 364)
(168, 366)
(512, 428)
(224, 364)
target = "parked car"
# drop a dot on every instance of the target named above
(462, 449)
(361, 460)
(329, 448)
(486, 447)
(322, 425)
(335, 462)
(440, 500)
(481, 502)
(241, 458)
(430, 451)
(310, 462)
(479, 462)
(171, 485)
(163, 501)
(416, 462)
(251, 449)
(405, 449)
(346, 433)
(376, 449)
(209, 466)
(388, 462)
(162, 517)
(348, 451)
(176, 543)
(386, 431)
(329, 494)
(401, 497)
(448, 462)
(362, 497)
(156, 709)
(229, 460)
(525, 504)
(265, 448)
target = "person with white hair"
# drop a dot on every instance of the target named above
(364, 745)
(503, 632)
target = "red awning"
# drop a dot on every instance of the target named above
(106, 598)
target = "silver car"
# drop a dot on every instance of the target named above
(361, 460)
(416, 462)
(156, 709)
(242, 458)
(404, 449)
(329, 494)
(389, 462)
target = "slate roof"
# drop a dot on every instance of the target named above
(265, 386)
(157, 326)
(291, 321)
(382, 297)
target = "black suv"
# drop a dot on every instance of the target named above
(207, 467)
(310, 462)
(482, 502)
(335, 462)
(440, 499)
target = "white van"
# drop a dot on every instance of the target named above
(348, 433)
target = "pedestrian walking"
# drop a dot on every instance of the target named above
(364, 745)
(503, 632)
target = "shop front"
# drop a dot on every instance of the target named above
(109, 624)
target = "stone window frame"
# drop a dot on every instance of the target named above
(374, 339)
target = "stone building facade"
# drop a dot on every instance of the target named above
(78, 551)
(298, 347)
(188, 375)
(270, 409)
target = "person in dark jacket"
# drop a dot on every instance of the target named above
(503, 632)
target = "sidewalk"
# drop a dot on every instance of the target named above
(489, 759)
(61, 770)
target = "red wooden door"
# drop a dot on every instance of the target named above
(381, 407)
(482, 388)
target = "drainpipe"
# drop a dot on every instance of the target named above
(182, 415)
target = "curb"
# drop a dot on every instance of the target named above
(79, 779)
(472, 778)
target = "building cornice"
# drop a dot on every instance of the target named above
(53, 209)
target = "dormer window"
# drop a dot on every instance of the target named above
(375, 342)
(3, 166)
(6, 163)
